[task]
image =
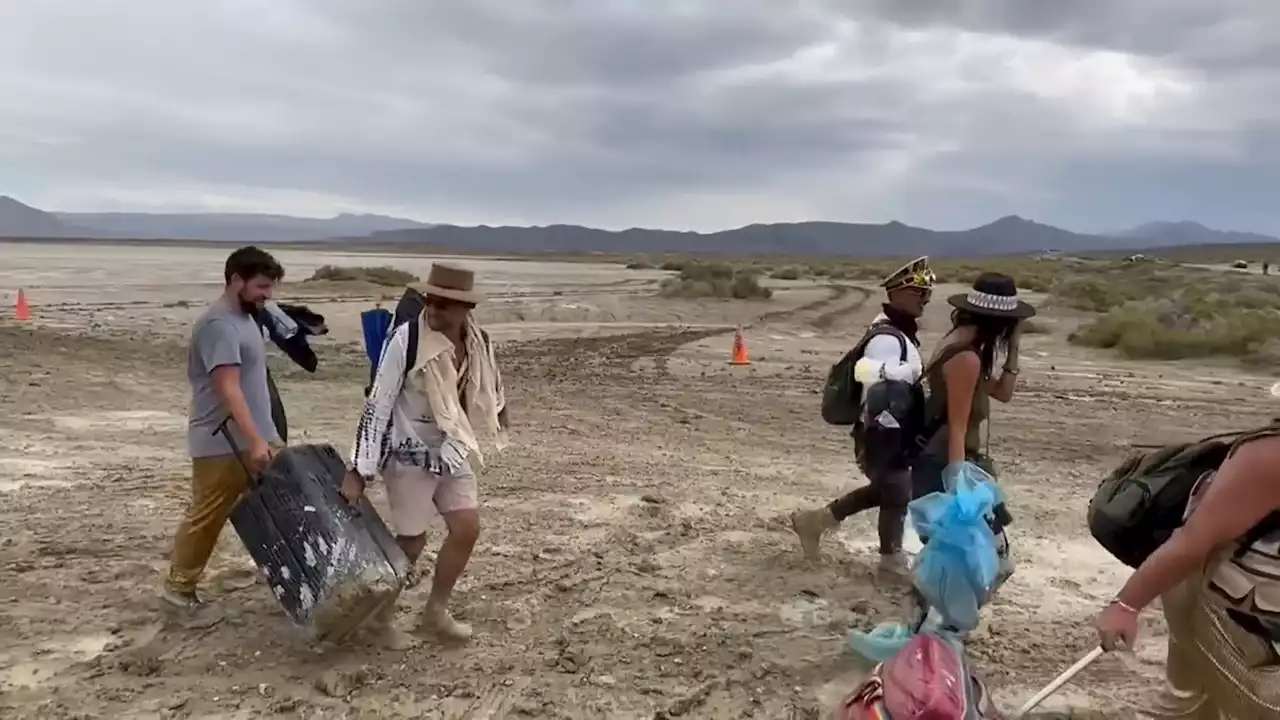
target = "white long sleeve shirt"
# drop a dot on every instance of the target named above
(882, 359)
(397, 421)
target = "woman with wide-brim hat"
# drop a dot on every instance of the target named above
(986, 325)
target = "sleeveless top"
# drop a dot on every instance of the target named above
(1244, 578)
(936, 405)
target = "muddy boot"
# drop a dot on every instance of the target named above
(810, 526)
(384, 633)
(892, 568)
(437, 621)
(189, 609)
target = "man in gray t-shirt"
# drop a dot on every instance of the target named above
(224, 336)
(227, 370)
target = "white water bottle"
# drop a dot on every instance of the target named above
(285, 325)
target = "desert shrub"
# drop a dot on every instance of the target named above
(707, 271)
(1102, 288)
(383, 275)
(746, 286)
(786, 273)
(715, 280)
(1189, 325)
(1090, 294)
(673, 265)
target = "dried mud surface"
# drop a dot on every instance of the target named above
(632, 563)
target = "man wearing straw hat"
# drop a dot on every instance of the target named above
(891, 352)
(422, 428)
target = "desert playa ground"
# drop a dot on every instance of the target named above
(632, 561)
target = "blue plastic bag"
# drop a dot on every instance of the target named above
(958, 567)
(881, 643)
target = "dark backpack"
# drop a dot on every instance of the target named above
(1141, 503)
(408, 308)
(842, 395)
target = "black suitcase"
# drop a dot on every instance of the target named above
(331, 566)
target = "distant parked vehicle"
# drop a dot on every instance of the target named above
(1240, 265)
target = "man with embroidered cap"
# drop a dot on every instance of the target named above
(888, 368)
(422, 428)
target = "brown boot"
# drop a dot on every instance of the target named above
(383, 631)
(810, 526)
(893, 568)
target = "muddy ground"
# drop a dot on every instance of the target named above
(632, 561)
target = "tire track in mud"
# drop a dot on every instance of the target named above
(612, 355)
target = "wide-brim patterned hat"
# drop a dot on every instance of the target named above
(916, 273)
(995, 295)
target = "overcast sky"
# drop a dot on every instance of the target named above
(1089, 114)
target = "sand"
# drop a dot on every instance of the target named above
(632, 561)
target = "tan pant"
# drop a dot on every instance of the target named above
(217, 483)
(1215, 669)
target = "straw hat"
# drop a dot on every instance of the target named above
(995, 295)
(450, 282)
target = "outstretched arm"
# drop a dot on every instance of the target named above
(371, 433)
(1245, 490)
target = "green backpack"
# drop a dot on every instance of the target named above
(842, 395)
(1141, 503)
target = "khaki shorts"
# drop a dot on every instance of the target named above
(416, 496)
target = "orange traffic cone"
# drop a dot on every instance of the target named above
(739, 349)
(22, 310)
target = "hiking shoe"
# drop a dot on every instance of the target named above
(893, 568)
(810, 526)
(384, 633)
(437, 621)
(188, 600)
(192, 611)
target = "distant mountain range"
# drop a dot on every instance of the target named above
(1008, 235)
(19, 220)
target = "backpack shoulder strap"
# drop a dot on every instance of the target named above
(887, 329)
(411, 346)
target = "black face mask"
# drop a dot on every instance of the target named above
(902, 321)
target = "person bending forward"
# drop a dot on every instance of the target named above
(420, 429)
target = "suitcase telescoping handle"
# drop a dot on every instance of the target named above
(254, 480)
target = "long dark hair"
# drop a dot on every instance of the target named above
(990, 333)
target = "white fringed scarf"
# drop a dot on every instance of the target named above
(478, 422)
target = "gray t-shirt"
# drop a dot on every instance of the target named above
(226, 336)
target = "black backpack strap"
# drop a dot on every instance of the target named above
(411, 347)
(887, 329)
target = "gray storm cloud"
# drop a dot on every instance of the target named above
(1090, 114)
